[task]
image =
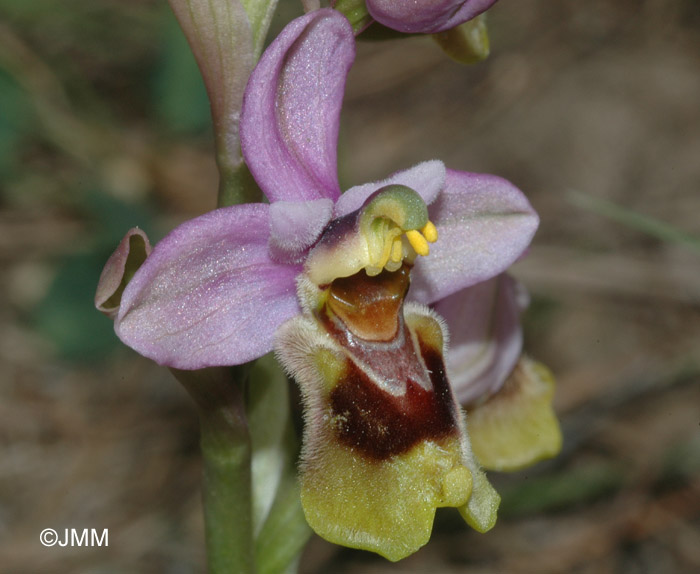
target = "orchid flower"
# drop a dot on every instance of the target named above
(323, 278)
(425, 16)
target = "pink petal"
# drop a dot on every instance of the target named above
(291, 108)
(484, 225)
(209, 294)
(485, 335)
(425, 16)
(296, 225)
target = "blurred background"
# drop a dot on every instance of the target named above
(591, 108)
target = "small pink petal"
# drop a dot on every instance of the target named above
(296, 225)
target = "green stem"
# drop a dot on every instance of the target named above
(236, 185)
(226, 453)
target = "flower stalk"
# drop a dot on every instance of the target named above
(236, 186)
(226, 454)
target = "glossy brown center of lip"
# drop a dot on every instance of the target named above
(369, 306)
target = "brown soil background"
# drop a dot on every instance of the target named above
(601, 98)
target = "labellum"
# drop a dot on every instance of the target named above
(384, 440)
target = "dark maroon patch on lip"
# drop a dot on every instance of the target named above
(380, 425)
